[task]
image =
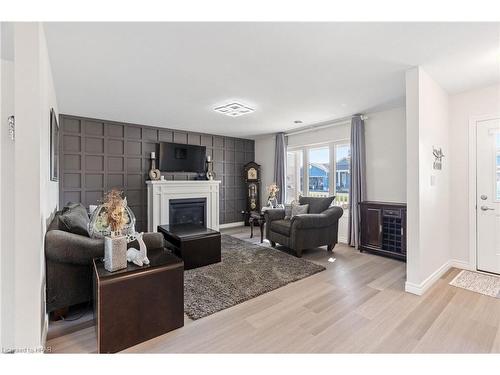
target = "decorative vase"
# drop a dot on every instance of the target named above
(272, 202)
(115, 253)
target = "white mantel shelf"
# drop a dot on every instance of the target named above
(161, 191)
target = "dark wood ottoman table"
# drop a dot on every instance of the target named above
(138, 303)
(196, 245)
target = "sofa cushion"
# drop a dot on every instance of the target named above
(281, 226)
(299, 209)
(74, 219)
(317, 204)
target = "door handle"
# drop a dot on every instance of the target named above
(486, 208)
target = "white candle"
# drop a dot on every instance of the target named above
(153, 155)
(209, 158)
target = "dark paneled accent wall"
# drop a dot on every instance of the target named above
(97, 155)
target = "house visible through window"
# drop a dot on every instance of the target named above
(319, 172)
(327, 172)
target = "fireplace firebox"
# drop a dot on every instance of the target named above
(188, 211)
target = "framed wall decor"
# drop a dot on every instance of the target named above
(54, 146)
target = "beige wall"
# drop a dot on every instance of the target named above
(35, 197)
(385, 133)
(427, 189)
(385, 138)
(264, 155)
(463, 106)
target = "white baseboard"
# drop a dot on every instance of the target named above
(460, 264)
(421, 288)
(232, 225)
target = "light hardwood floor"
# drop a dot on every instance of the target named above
(357, 305)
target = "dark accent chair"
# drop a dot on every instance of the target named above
(68, 262)
(318, 227)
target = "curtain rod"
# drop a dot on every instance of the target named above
(322, 125)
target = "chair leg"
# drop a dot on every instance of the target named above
(273, 244)
(298, 253)
(330, 247)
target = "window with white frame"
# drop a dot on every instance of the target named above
(326, 172)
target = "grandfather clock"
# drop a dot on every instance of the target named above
(251, 172)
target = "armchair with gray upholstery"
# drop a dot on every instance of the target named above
(68, 260)
(319, 227)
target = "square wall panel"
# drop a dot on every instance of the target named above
(115, 147)
(94, 145)
(134, 164)
(72, 162)
(150, 134)
(218, 142)
(165, 135)
(71, 143)
(134, 148)
(229, 143)
(71, 196)
(194, 139)
(148, 148)
(115, 131)
(93, 128)
(133, 132)
(180, 137)
(134, 197)
(71, 125)
(93, 197)
(218, 154)
(207, 140)
(72, 181)
(115, 181)
(115, 164)
(135, 181)
(94, 163)
(94, 181)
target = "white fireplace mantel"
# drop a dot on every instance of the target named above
(160, 192)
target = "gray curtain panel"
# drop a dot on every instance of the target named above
(357, 193)
(280, 166)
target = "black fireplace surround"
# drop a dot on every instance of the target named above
(188, 211)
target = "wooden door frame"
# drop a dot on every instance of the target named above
(473, 122)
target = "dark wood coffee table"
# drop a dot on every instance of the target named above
(196, 245)
(138, 303)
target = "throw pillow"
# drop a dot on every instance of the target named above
(317, 204)
(74, 219)
(299, 209)
(288, 211)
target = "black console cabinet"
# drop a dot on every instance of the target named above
(383, 228)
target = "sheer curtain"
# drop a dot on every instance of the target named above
(280, 166)
(357, 193)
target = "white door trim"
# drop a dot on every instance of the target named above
(473, 121)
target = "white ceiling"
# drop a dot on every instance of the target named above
(174, 74)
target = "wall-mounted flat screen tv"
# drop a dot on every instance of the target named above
(175, 157)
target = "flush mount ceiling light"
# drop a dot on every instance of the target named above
(234, 109)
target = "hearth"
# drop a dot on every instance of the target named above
(188, 211)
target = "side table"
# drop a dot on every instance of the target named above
(257, 217)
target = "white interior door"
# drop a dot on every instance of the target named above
(488, 196)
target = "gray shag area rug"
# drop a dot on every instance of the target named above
(478, 282)
(245, 272)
